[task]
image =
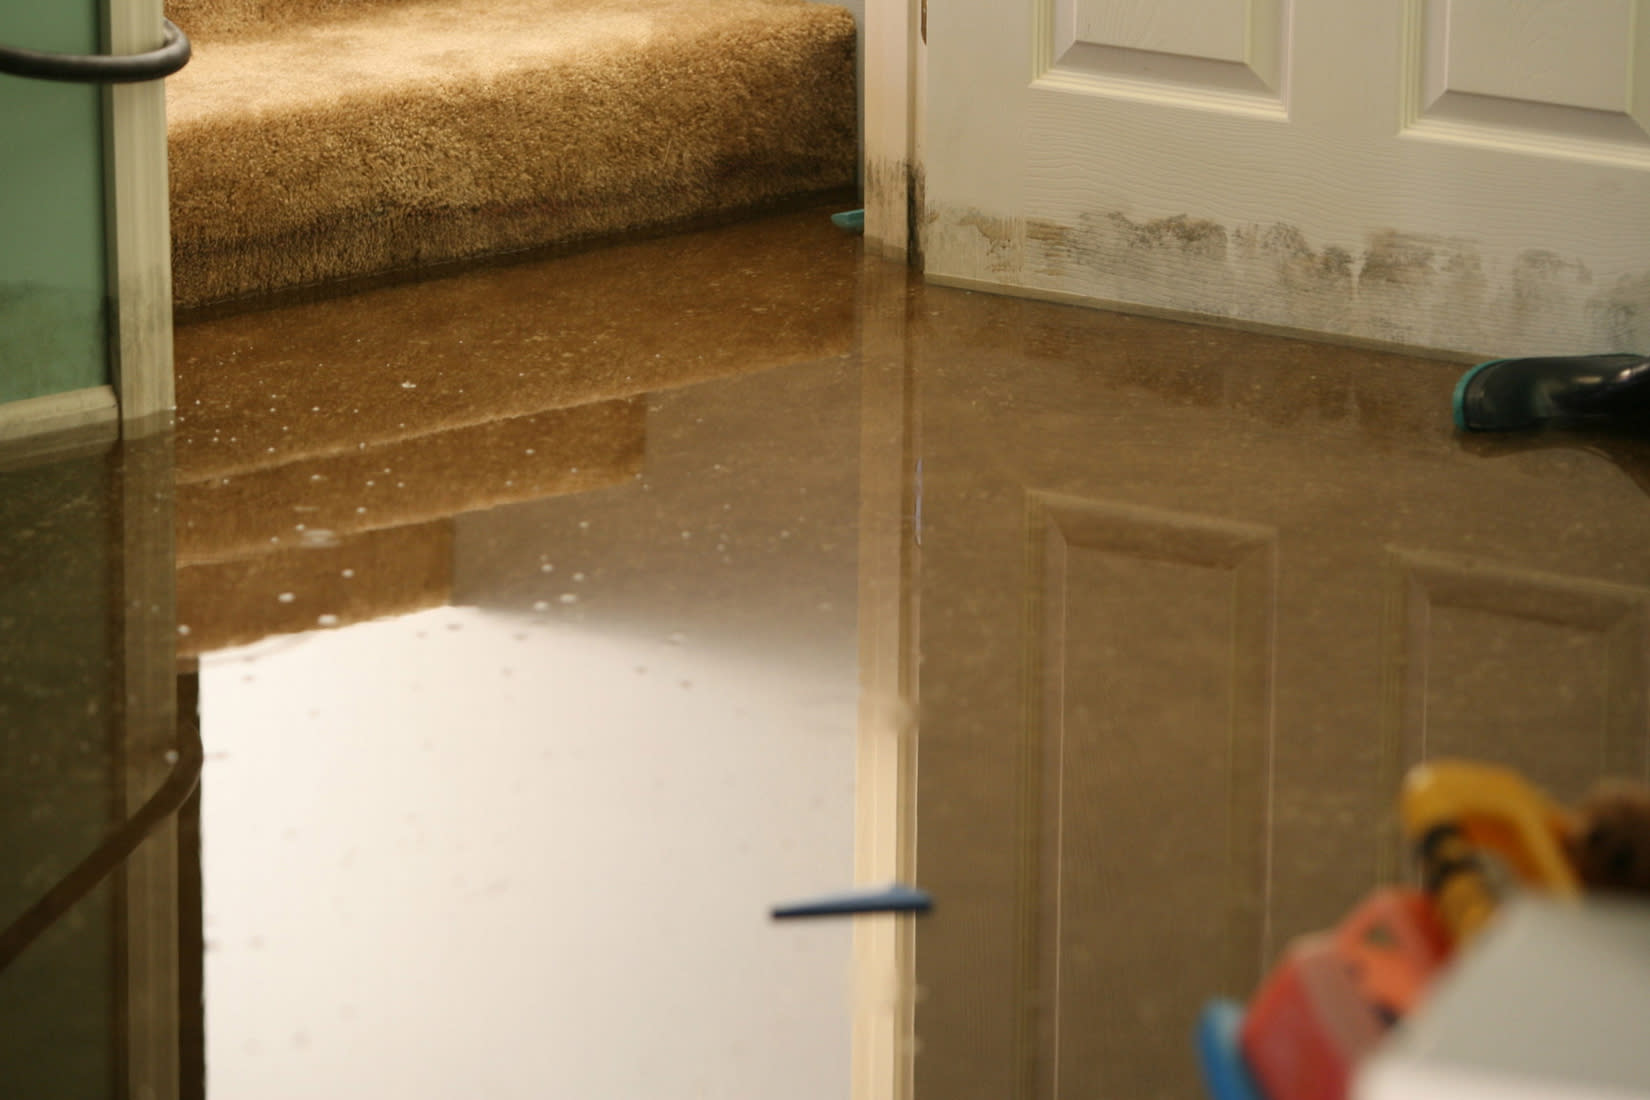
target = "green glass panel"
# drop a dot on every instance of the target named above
(53, 284)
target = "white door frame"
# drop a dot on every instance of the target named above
(884, 791)
(139, 394)
(138, 217)
(140, 231)
(892, 170)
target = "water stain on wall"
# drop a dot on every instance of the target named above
(1622, 313)
(1192, 236)
(1423, 290)
(900, 178)
(1004, 239)
(1397, 259)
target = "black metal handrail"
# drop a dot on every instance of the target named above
(168, 798)
(101, 68)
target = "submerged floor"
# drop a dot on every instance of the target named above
(549, 622)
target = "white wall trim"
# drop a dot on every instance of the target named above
(56, 413)
(153, 1013)
(139, 221)
(1207, 320)
(885, 848)
(892, 147)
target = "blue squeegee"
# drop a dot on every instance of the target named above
(896, 898)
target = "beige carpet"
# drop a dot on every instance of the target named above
(319, 140)
(367, 576)
(313, 503)
(338, 434)
(304, 381)
(331, 541)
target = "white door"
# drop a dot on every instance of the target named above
(1461, 174)
(1190, 602)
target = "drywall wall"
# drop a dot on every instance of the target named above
(52, 268)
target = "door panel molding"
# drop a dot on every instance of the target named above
(1580, 105)
(1581, 53)
(1463, 635)
(1098, 567)
(1224, 47)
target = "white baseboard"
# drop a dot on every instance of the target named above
(44, 426)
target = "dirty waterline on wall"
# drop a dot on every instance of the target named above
(1396, 288)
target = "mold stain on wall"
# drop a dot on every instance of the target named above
(903, 182)
(1622, 312)
(1418, 290)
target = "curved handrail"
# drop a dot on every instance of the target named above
(168, 798)
(134, 68)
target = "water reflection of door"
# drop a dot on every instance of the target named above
(1190, 602)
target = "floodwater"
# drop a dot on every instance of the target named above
(536, 628)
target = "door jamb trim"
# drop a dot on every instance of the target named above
(139, 225)
(895, 63)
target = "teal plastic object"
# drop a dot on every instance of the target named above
(1219, 1053)
(1458, 401)
(1567, 390)
(850, 221)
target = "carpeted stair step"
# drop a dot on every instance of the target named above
(314, 502)
(330, 377)
(320, 140)
(375, 574)
(287, 414)
(327, 542)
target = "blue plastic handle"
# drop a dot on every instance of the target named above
(1225, 1073)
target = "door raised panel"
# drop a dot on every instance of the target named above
(1546, 674)
(1515, 72)
(1154, 671)
(1213, 29)
(1136, 47)
(1572, 53)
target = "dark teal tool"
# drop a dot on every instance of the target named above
(849, 221)
(1578, 390)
